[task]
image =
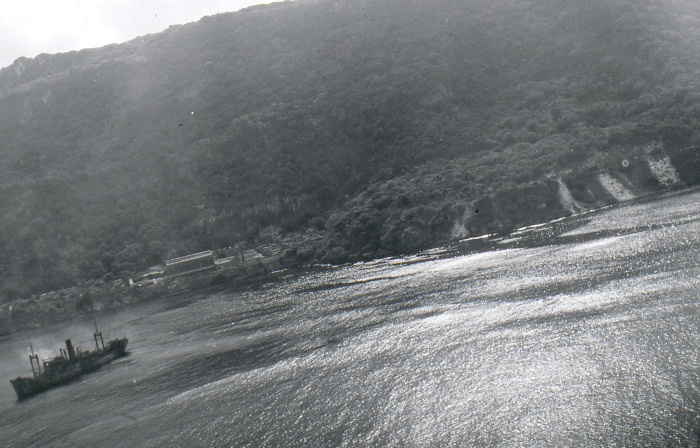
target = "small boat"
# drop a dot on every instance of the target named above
(70, 364)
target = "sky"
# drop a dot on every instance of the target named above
(32, 27)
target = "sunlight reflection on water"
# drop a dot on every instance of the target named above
(590, 343)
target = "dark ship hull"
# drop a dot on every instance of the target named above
(69, 369)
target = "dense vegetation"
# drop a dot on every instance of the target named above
(332, 114)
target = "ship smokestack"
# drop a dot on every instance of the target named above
(34, 361)
(70, 350)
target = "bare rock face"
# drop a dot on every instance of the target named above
(373, 226)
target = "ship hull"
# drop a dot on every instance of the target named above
(28, 387)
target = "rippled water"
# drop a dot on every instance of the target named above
(579, 333)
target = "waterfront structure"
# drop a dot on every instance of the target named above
(189, 264)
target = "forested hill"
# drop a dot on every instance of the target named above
(380, 121)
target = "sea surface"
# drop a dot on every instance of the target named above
(582, 332)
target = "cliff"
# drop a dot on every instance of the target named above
(437, 204)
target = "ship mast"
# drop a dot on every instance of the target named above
(98, 337)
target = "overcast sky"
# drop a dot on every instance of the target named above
(32, 27)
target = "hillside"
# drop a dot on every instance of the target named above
(389, 124)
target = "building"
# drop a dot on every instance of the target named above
(190, 264)
(152, 276)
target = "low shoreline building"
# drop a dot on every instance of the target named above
(189, 264)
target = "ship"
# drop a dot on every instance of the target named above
(70, 364)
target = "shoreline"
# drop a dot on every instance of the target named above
(98, 297)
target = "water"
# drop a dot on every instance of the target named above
(583, 332)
